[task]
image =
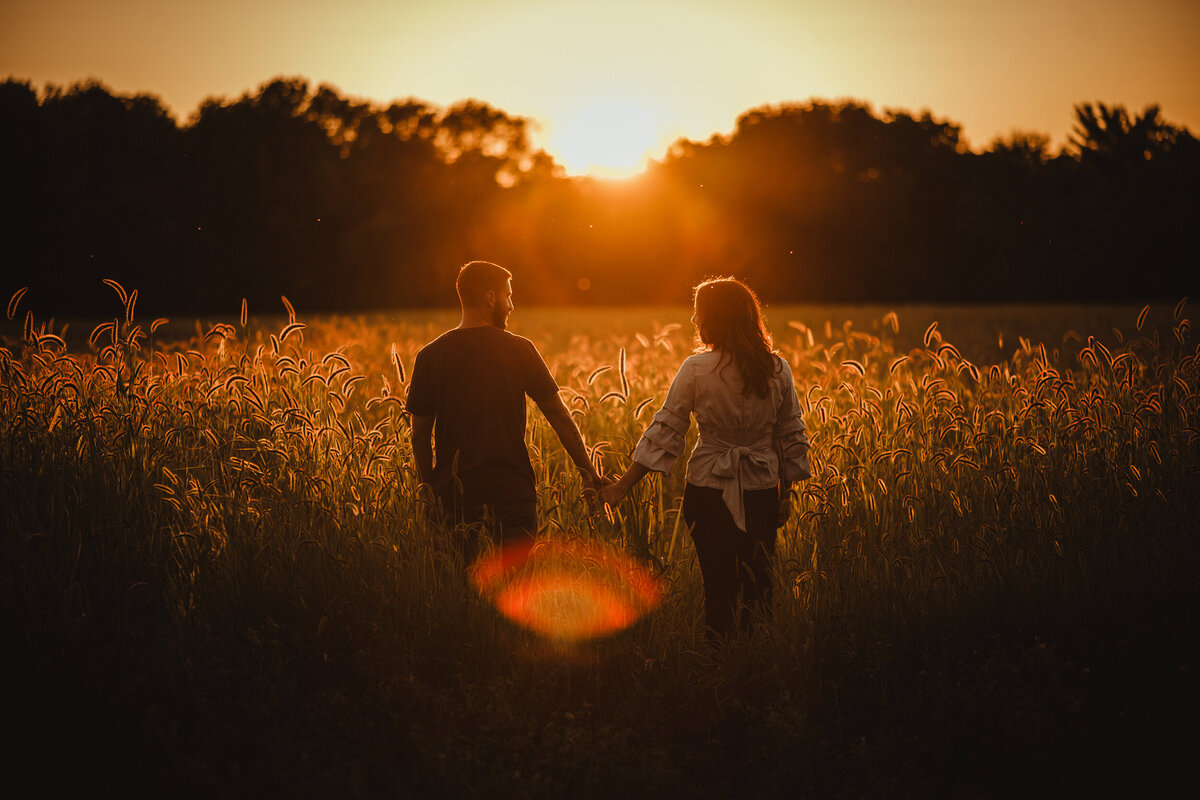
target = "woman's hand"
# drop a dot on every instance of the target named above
(785, 506)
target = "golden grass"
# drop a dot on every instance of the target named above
(921, 458)
(253, 484)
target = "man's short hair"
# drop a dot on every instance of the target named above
(477, 278)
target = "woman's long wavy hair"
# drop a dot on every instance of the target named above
(729, 318)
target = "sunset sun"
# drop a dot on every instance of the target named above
(608, 136)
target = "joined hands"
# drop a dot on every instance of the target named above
(593, 486)
(611, 495)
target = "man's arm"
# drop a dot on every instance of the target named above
(422, 445)
(560, 420)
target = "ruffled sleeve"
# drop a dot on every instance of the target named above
(791, 441)
(663, 440)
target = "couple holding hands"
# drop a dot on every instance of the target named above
(467, 395)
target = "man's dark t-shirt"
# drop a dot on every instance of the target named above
(473, 382)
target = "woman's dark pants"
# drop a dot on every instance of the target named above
(735, 564)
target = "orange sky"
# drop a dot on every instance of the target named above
(665, 69)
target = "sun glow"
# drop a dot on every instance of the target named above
(611, 136)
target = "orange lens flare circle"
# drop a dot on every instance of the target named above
(568, 591)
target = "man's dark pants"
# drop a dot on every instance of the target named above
(512, 525)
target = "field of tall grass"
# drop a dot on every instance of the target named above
(215, 579)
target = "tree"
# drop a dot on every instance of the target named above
(1110, 136)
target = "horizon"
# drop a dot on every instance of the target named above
(613, 85)
(1054, 146)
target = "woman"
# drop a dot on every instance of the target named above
(752, 448)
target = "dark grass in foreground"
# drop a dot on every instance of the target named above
(214, 582)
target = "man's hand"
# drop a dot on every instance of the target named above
(590, 478)
(592, 484)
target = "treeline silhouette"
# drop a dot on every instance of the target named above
(342, 204)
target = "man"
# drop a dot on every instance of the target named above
(467, 395)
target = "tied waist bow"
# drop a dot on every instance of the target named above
(731, 464)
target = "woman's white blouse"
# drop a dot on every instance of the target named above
(746, 442)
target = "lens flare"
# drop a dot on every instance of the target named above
(567, 591)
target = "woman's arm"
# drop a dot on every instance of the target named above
(785, 503)
(790, 437)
